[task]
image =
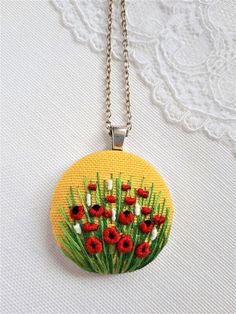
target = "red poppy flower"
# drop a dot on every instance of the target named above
(77, 212)
(111, 235)
(110, 199)
(159, 220)
(145, 194)
(92, 186)
(93, 245)
(126, 217)
(125, 187)
(90, 227)
(142, 250)
(130, 200)
(96, 211)
(146, 210)
(125, 245)
(107, 214)
(142, 193)
(146, 226)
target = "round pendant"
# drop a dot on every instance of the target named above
(111, 213)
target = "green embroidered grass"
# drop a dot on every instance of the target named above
(110, 260)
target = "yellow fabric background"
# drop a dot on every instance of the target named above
(106, 163)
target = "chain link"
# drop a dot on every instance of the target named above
(126, 66)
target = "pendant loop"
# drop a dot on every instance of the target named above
(118, 137)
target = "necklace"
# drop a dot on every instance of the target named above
(111, 211)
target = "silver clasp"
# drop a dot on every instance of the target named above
(118, 136)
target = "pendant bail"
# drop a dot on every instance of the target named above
(118, 136)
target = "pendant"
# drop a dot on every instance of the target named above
(111, 211)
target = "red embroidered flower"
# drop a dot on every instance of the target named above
(92, 186)
(77, 212)
(96, 211)
(107, 214)
(159, 220)
(142, 193)
(142, 250)
(130, 200)
(125, 245)
(146, 210)
(110, 199)
(93, 245)
(125, 187)
(145, 194)
(111, 235)
(90, 227)
(126, 217)
(146, 226)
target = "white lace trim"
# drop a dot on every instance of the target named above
(183, 49)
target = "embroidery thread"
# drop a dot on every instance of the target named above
(118, 228)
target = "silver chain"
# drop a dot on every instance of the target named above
(126, 66)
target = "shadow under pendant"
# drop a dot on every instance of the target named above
(111, 213)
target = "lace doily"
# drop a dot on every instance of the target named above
(183, 49)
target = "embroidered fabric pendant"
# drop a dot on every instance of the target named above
(111, 213)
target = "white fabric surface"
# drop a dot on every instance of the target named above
(52, 116)
(184, 50)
